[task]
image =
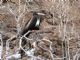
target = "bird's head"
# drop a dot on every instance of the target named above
(35, 13)
(44, 13)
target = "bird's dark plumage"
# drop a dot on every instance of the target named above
(32, 24)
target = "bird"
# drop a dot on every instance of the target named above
(33, 23)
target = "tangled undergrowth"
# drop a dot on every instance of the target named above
(56, 39)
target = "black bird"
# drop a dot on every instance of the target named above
(33, 23)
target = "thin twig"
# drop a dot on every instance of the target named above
(1, 49)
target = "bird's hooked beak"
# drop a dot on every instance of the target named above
(41, 14)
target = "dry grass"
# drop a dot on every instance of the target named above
(58, 37)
